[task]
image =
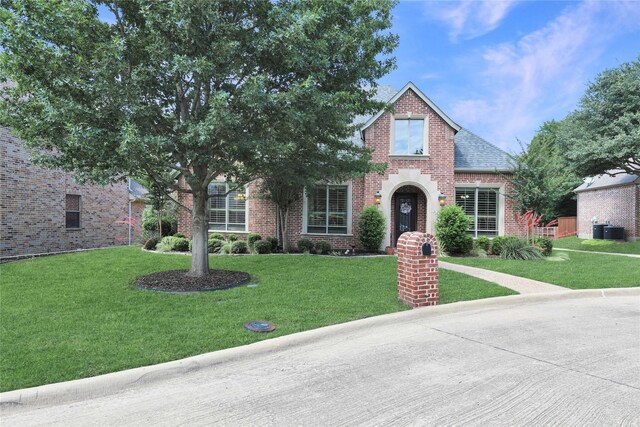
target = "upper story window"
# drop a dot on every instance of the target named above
(481, 205)
(328, 209)
(227, 209)
(72, 211)
(409, 136)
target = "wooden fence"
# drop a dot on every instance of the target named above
(566, 227)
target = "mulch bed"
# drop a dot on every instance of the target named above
(178, 281)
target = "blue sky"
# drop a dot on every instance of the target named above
(502, 68)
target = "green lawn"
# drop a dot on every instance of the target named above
(577, 271)
(78, 315)
(597, 245)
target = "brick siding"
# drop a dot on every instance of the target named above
(32, 207)
(618, 205)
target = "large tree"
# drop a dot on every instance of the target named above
(541, 182)
(604, 133)
(200, 87)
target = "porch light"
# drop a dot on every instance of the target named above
(442, 199)
(377, 198)
(240, 197)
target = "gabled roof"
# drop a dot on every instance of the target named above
(604, 181)
(474, 154)
(422, 96)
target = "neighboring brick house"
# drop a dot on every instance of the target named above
(427, 153)
(43, 211)
(610, 199)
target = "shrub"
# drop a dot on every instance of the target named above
(546, 244)
(451, 229)
(151, 224)
(478, 252)
(239, 247)
(498, 242)
(232, 237)
(216, 236)
(172, 243)
(180, 235)
(371, 228)
(305, 245)
(215, 245)
(323, 247)
(274, 243)
(252, 238)
(226, 248)
(151, 243)
(519, 249)
(262, 247)
(483, 243)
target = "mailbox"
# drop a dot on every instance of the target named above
(426, 249)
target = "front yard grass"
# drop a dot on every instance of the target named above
(578, 271)
(598, 245)
(78, 315)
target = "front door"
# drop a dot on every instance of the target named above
(406, 214)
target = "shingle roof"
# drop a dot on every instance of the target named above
(384, 93)
(603, 181)
(473, 153)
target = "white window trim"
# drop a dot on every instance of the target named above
(226, 213)
(501, 200)
(305, 211)
(425, 136)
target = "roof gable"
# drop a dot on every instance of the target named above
(423, 97)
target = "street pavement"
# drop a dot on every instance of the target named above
(565, 359)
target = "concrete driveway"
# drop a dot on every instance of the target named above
(563, 359)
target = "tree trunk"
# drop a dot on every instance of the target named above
(282, 218)
(199, 230)
(159, 215)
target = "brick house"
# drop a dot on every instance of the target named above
(612, 199)
(44, 211)
(428, 155)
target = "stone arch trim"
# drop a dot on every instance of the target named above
(410, 177)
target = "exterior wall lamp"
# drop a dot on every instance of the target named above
(240, 197)
(442, 199)
(377, 198)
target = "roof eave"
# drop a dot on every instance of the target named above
(477, 170)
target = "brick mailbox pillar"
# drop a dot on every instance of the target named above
(417, 269)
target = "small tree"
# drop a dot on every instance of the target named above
(371, 227)
(451, 230)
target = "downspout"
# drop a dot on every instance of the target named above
(129, 198)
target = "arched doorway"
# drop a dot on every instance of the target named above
(408, 211)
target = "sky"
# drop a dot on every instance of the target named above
(502, 68)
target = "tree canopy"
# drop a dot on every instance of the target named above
(205, 88)
(604, 133)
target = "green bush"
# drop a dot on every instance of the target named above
(151, 224)
(151, 243)
(226, 248)
(180, 235)
(498, 242)
(305, 245)
(274, 243)
(252, 238)
(262, 247)
(216, 236)
(323, 247)
(172, 243)
(519, 249)
(239, 247)
(371, 228)
(451, 230)
(215, 245)
(232, 237)
(483, 243)
(546, 244)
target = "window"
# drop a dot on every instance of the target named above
(227, 209)
(72, 211)
(408, 137)
(328, 209)
(481, 205)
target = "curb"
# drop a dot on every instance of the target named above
(112, 383)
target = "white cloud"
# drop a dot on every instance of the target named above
(544, 73)
(429, 76)
(468, 19)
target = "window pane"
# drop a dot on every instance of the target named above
(236, 217)
(338, 206)
(72, 220)
(317, 210)
(409, 136)
(72, 202)
(487, 202)
(226, 211)
(466, 199)
(217, 216)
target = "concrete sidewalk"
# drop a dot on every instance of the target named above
(594, 252)
(521, 285)
(563, 358)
